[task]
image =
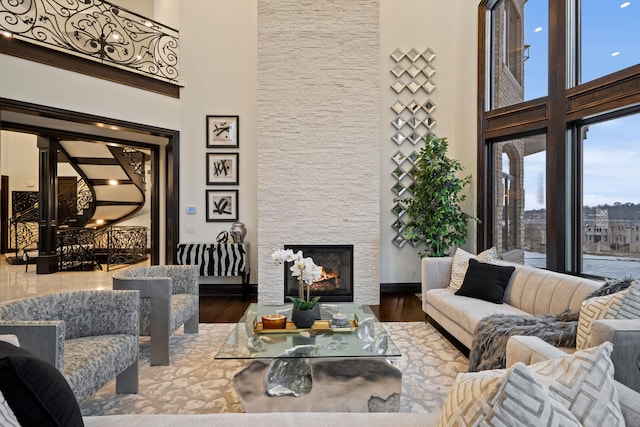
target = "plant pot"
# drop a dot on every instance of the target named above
(303, 318)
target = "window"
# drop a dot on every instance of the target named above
(611, 197)
(520, 214)
(551, 137)
(519, 67)
(618, 49)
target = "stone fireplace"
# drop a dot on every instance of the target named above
(318, 136)
(336, 263)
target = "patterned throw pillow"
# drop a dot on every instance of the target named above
(460, 264)
(583, 382)
(514, 397)
(621, 305)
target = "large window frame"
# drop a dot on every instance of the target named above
(558, 115)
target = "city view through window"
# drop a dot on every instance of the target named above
(609, 170)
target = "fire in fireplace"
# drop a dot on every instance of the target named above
(336, 264)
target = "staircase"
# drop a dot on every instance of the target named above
(114, 174)
(111, 189)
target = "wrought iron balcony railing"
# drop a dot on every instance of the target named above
(96, 30)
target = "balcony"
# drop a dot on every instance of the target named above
(92, 31)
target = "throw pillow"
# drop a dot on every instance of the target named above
(583, 382)
(509, 398)
(36, 391)
(611, 286)
(620, 305)
(7, 417)
(485, 281)
(460, 263)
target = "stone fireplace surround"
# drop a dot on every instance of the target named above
(318, 131)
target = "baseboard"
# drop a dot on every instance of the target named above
(225, 289)
(400, 287)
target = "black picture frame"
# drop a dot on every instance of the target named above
(223, 131)
(222, 205)
(223, 168)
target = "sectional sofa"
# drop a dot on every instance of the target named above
(529, 291)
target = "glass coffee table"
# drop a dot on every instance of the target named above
(349, 368)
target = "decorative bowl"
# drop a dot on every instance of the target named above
(274, 321)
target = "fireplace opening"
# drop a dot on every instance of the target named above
(336, 264)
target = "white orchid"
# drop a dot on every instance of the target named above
(303, 268)
(283, 255)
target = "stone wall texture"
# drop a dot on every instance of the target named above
(318, 129)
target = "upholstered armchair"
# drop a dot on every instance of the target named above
(89, 336)
(168, 299)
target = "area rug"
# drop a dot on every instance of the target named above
(196, 383)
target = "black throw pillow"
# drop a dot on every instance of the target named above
(485, 281)
(35, 390)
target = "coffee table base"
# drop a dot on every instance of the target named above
(350, 384)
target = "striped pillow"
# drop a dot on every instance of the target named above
(460, 263)
(514, 397)
(621, 305)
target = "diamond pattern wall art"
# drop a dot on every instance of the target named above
(412, 120)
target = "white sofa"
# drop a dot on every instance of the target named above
(529, 291)
(271, 419)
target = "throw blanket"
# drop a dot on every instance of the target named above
(489, 344)
(492, 333)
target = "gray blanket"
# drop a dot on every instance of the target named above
(489, 343)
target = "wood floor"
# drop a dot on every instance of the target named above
(394, 307)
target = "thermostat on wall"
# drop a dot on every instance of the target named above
(191, 209)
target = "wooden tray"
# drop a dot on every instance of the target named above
(318, 326)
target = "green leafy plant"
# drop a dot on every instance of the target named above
(302, 304)
(434, 215)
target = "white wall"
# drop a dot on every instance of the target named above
(449, 29)
(220, 74)
(19, 161)
(218, 64)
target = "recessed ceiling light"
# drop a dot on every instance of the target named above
(537, 30)
(7, 34)
(100, 221)
(625, 4)
(616, 53)
(113, 182)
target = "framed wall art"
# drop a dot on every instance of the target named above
(223, 131)
(222, 169)
(222, 205)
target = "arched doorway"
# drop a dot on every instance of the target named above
(162, 144)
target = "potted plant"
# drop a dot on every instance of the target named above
(306, 271)
(434, 215)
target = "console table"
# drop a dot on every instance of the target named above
(218, 259)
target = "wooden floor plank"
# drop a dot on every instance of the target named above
(394, 307)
